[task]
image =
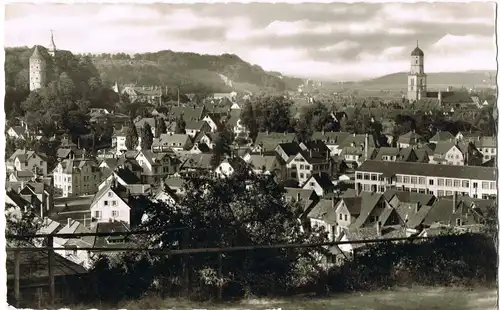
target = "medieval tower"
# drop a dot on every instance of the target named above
(417, 79)
(38, 70)
(38, 66)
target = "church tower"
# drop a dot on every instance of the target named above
(38, 66)
(52, 45)
(417, 79)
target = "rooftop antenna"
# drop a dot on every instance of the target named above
(417, 43)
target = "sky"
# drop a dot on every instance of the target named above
(319, 41)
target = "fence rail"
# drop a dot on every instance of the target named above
(226, 249)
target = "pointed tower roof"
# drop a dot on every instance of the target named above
(36, 53)
(52, 45)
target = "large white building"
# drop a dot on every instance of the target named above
(439, 180)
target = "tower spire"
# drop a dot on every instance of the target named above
(52, 46)
(417, 43)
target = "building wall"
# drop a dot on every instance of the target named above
(37, 74)
(374, 182)
(110, 207)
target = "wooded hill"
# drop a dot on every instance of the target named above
(193, 73)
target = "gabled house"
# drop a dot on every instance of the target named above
(193, 127)
(268, 141)
(307, 198)
(442, 136)
(270, 164)
(323, 215)
(200, 148)
(366, 210)
(410, 139)
(69, 246)
(301, 166)
(412, 207)
(456, 153)
(195, 164)
(111, 203)
(76, 177)
(332, 140)
(175, 142)
(22, 176)
(207, 138)
(320, 183)
(118, 139)
(18, 133)
(156, 165)
(24, 160)
(213, 120)
(287, 150)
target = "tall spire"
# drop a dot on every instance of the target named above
(52, 46)
(417, 43)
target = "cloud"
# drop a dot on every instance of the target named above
(327, 41)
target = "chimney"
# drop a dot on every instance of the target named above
(310, 153)
(69, 221)
(84, 220)
(298, 196)
(267, 132)
(379, 228)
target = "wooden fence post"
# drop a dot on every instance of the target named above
(184, 258)
(17, 263)
(50, 244)
(219, 274)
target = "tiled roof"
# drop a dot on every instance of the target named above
(432, 170)
(409, 137)
(197, 161)
(324, 210)
(442, 136)
(271, 140)
(260, 161)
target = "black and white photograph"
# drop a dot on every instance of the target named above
(250, 156)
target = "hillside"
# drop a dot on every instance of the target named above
(192, 72)
(440, 79)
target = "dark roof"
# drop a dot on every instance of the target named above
(34, 264)
(290, 148)
(417, 52)
(431, 170)
(323, 180)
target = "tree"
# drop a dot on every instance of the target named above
(222, 145)
(146, 137)
(21, 221)
(161, 127)
(180, 126)
(244, 209)
(248, 118)
(10, 147)
(131, 137)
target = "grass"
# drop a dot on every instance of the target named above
(420, 298)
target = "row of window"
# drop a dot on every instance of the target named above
(98, 214)
(421, 181)
(439, 193)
